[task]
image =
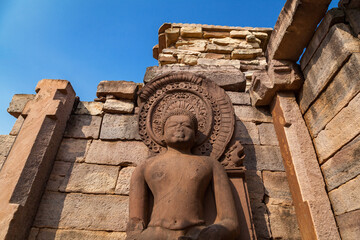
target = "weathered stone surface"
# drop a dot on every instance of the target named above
(118, 106)
(198, 46)
(226, 41)
(283, 222)
(246, 53)
(191, 31)
(349, 4)
(89, 108)
(306, 182)
(255, 185)
(172, 34)
(119, 89)
(57, 176)
(27, 168)
(17, 126)
(167, 58)
(263, 158)
(343, 166)
(6, 143)
(179, 52)
(260, 35)
(334, 50)
(82, 211)
(72, 150)
(252, 114)
(67, 234)
(189, 60)
(33, 233)
(219, 62)
(246, 133)
(227, 77)
(18, 103)
(349, 225)
(267, 134)
(277, 188)
(294, 28)
(208, 34)
(213, 48)
(90, 178)
(335, 97)
(261, 220)
(83, 126)
(346, 198)
(239, 98)
(123, 181)
(214, 56)
(116, 126)
(251, 39)
(353, 16)
(117, 153)
(239, 34)
(332, 17)
(333, 137)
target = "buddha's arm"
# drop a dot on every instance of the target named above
(227, 225)
(138, 203)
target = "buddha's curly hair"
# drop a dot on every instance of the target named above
(180, 111)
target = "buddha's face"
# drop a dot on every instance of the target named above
(179, 130)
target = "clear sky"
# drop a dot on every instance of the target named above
(86, 41)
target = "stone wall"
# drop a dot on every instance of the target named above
(330, 103)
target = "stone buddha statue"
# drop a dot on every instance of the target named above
(177, 180)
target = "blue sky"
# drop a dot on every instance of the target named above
(86, 41)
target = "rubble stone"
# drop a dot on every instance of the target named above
(119, 89)
(213, 48)
(123, 181)
(117, 153)
(83, 126)
(115, 126)
(18, 103)
(118, 106)
(190, 60)
(90, 108)
(83, 211)
(167, 58)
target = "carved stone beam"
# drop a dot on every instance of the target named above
(294, 28)
(312, 205)
(25, 172)
(281, 76)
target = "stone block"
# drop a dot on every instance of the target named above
(167, 58)
(252, 114)
(57, 176)
(83, 126)
(6, 143)
(191, 31)
(33, 233)
(208, 34)
(277, 188)
(90, 178)
(18, 103)
(226, 41)
(349, 225)
(214, 56)
(334, 50)
(260, 35)
(261, 220)
(67, 234)
(117, 153)
(246, 53)
(267, 134)
(252, 39)
(246, 133)
(72, 150)
(346, 198)
(219, 62)
(89, 108)
(198, 46)
(239, 98)
(343, 166)
(239, 34)
(121, 127)
(190, 60)
(335, 96)
(353, 16)
(255, 185)
(227, 77)
(118, 106)
(213, 48)
(83, 211)
(333, 137)
(123, 181)
(119, 89)
(263, 158)
(172, 35)
(283, 222)
(17, 126)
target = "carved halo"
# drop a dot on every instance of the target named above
(206, 100)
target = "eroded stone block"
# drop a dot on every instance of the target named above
(83, 126)
(263, 158)
(117, 153)
(73, 150)
(90, 178)
(123, 181)
(239, 98)
(89, 108)
(252, 114)
(118, 106)
(18, 103)
(277, 188)
(191, 31)
(246, 53)
(267, 134)
(219, 62)
(121, 127)
(83, 211)
(246, 133)
(119, 89)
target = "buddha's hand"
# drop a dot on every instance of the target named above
(212, 232)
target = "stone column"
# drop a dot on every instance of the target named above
(28, 165)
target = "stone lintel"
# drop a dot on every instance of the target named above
(28, 165)
(294, 28)
(117, 89)
(280, 76)
(306, 183)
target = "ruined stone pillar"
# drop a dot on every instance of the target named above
(28, 165)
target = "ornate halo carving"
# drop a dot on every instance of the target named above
(207, 101)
